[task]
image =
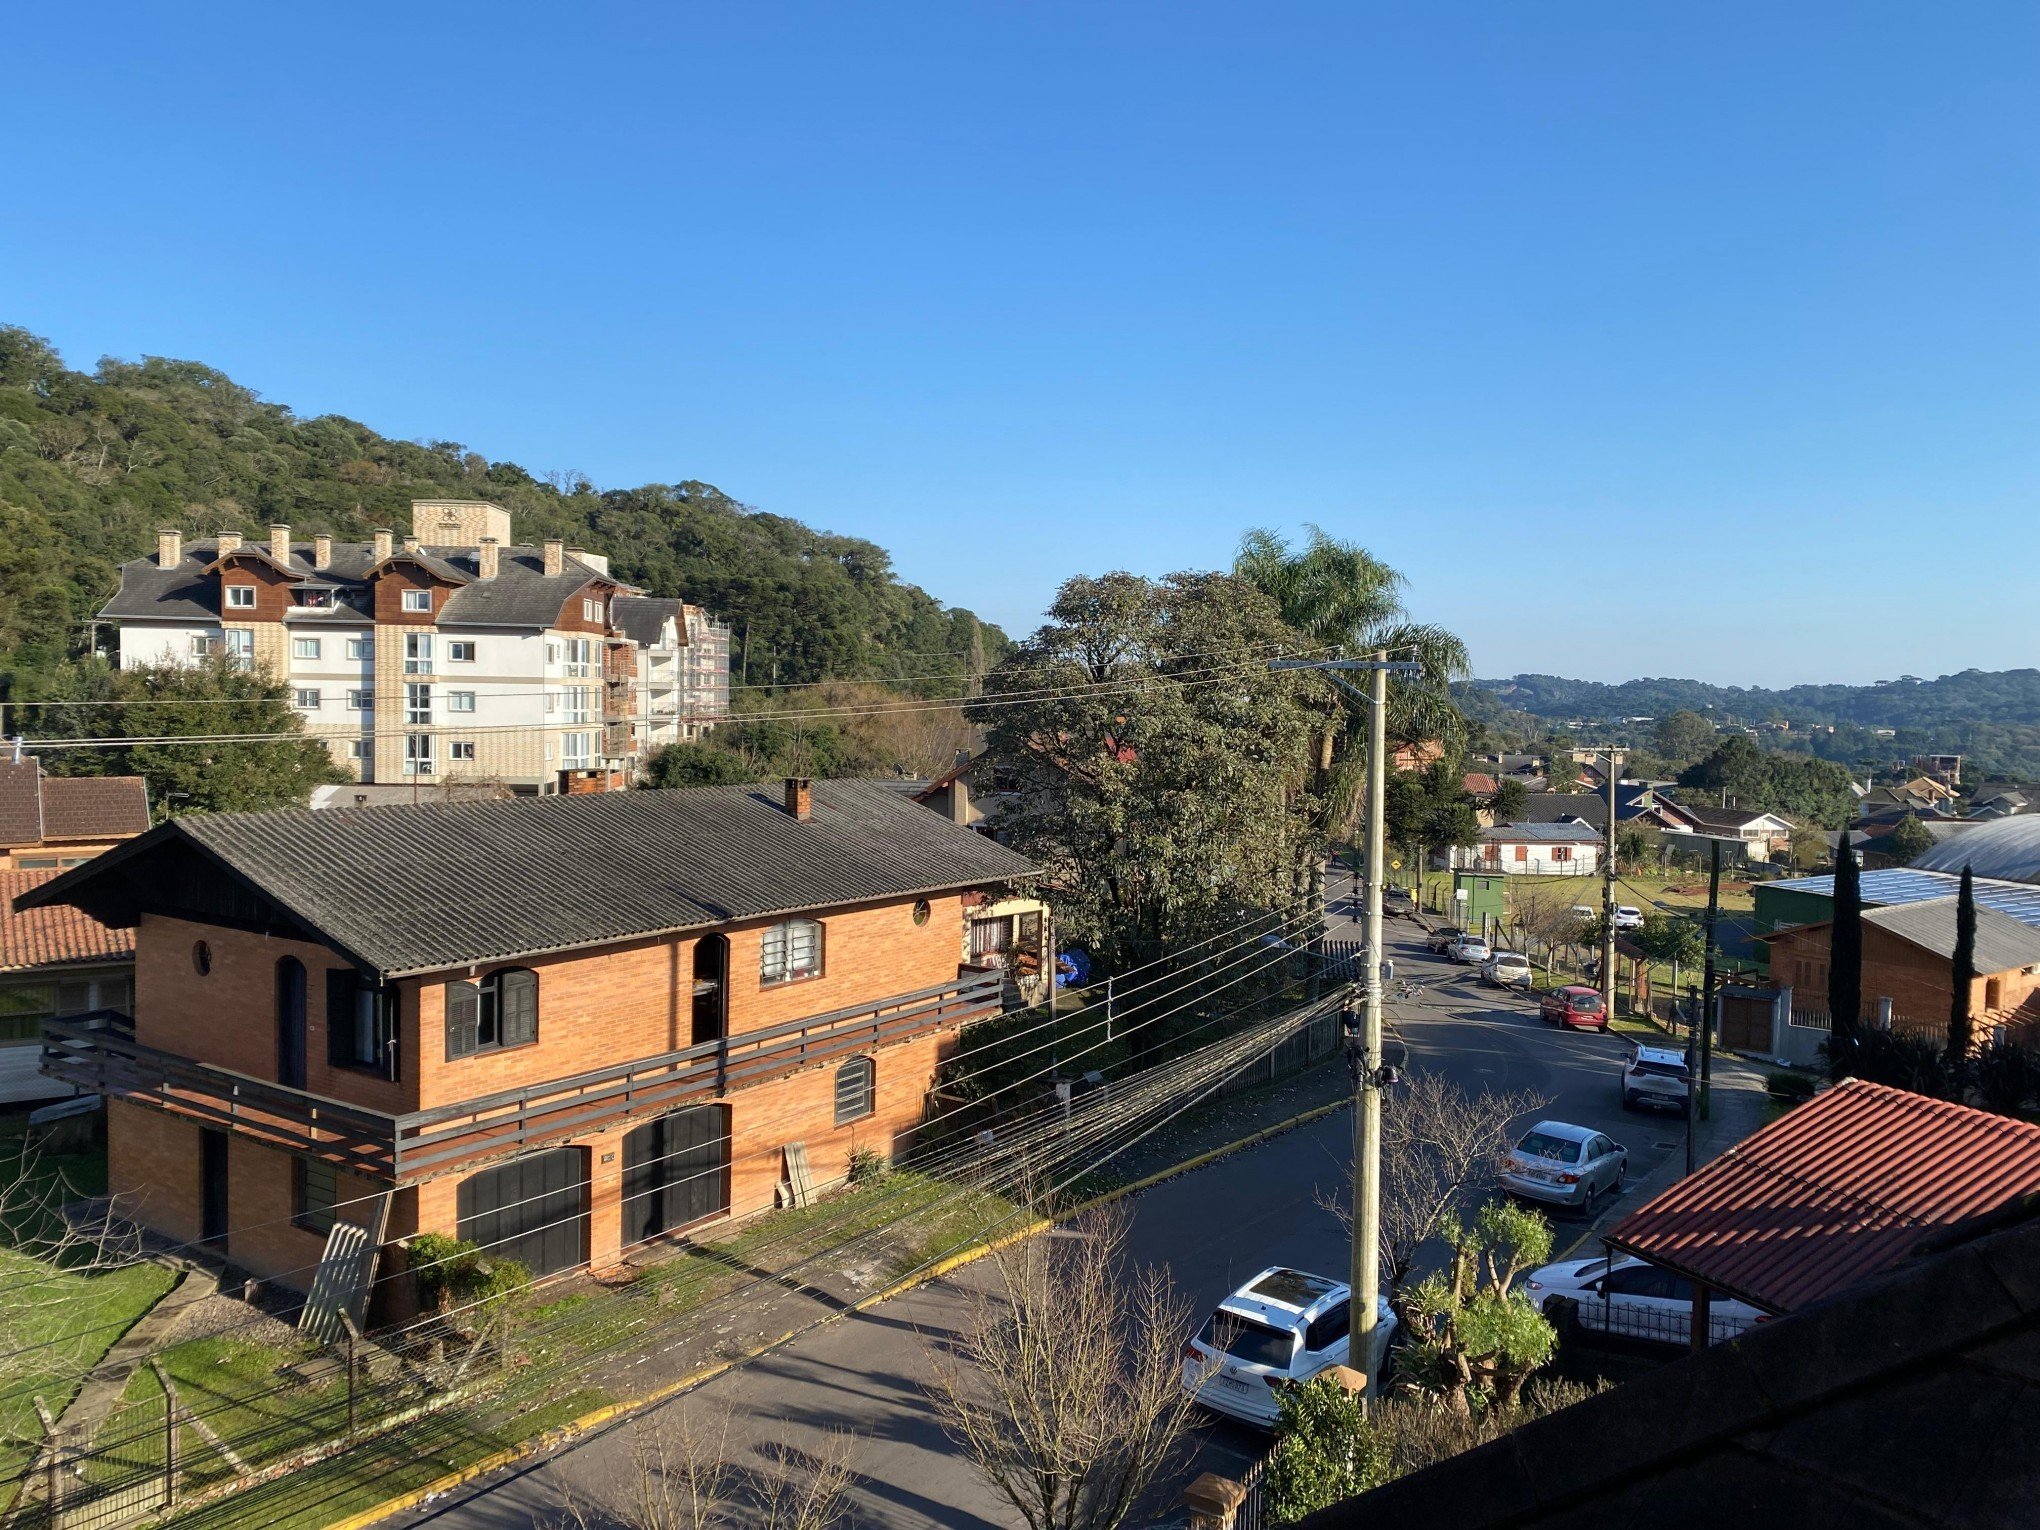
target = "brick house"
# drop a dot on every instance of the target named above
(1908, 965)
(560, 1025)
(49, 822)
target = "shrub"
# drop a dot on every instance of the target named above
(868, 1166)
(1324, 1451)
(1792, 1088)
(1917, 1063)
(2007, 1078)
(456, 1278)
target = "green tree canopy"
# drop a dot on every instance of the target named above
(1908, 841)
(1683, 736)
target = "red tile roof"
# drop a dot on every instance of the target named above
(1845, 1186)
(1481, 785)
(51, 937)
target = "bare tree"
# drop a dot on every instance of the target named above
(51, 1243)
(1440, 1150)
(682, 1478)
(1062, 1388)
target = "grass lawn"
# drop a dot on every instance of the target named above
(78, 1314)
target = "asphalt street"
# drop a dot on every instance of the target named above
(1213, 1228)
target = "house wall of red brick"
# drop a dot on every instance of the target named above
(1919, 984)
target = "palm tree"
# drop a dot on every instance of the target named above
(1343, 597)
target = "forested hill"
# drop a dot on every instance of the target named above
(92, 463)
(1973, 696)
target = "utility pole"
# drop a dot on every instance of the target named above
(1707, 981)
(1363, 1043)
(1608, 901)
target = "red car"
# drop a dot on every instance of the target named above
(1577, 1007)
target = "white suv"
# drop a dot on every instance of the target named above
(1628, 917)
(1282, 1327)
(1656, 1076)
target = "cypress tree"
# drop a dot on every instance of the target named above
(1845, 965)
(1961, 1028)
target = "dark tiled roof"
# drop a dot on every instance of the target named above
(52, 937)
(642, 618)
(521, 594)
(1556, 807)
(1839, 1189)
(94, 807)
(1911, 1401)
(1718, 818)
(20, 802)
(414, 889)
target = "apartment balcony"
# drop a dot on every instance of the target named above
(98, 1054)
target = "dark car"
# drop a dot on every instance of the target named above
(1441, 939)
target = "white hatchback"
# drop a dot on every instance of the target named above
(1634, 1300)
(1470, 949)
(1628, 917)
(1507, 969)
(1282, 1327)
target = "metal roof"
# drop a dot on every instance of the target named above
(2007, 848)
(1909, 884)
(2002, 942)
(1843, 1187)
(442, 884)
(1565, 833)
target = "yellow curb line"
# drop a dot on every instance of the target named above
(597, 1417)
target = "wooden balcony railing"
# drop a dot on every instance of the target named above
(98, 1055)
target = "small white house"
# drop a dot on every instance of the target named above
(1568, 849)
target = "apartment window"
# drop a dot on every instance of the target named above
(578, 652)
(461, 651)
(315, 600)
(1993, 993)
(361, 648)
(576, 750)
(552, 651)
(308, 700)
(361, 701)
(417, 754)
(362, 1023)
(417, 600)
(789, 951)
(201, 645)
(304, 648)
(591, 610)
(417, 653)
(579, 703)
(461, 749)
(359, 749)
(856, 1090)
(552, 702)
(460, 701)
(500, 1011)
(239, 644)
(417, 703)
(240, 597)
(314, 1192)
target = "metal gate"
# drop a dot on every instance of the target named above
(676, 1172)
(533, 1210)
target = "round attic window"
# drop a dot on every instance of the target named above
(201, 958)
(921, 911)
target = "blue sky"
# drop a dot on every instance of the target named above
(1645, 338)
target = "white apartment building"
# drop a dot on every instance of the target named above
(456, 654)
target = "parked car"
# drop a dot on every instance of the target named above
(1281, 1327)
(1656, 1076)
(1507, 969)
(1470, 949)
(1634, 1300)
(1398, 903)
(1440, 940)
(1585, 913)
(1574, 1007)
(1564, 1165)
(1628, 917)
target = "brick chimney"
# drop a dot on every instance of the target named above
(410, 544)
(485, 557)
(279, 542)
(229, 541)
(799, 798)
(322, 550)
(169, 547)
(555, 557)
(385, 543)
(959, 802)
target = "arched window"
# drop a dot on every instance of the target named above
(499, 1011)
(856, 1090)
(789, 951)
(290, 1022)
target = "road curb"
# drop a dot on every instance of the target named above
(948, 1264)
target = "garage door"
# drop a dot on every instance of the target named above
(676, 1171)
(534, 1210)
